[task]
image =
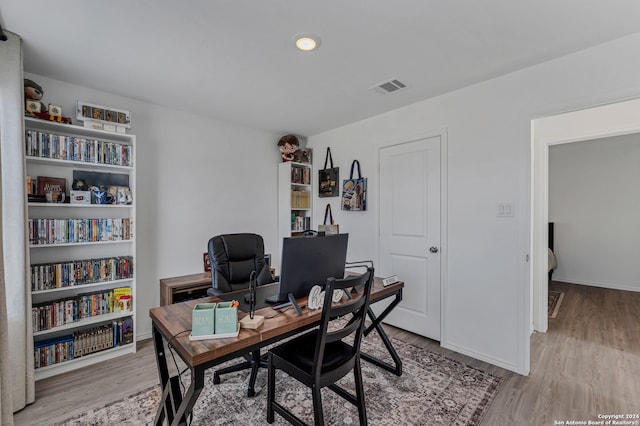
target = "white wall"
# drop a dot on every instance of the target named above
(485, 307)
(196, 177)
(595, 204)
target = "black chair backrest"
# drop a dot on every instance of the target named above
(233, 257)
(354, 326)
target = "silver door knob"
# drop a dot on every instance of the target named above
(433, 249)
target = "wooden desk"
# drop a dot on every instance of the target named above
(173, 323)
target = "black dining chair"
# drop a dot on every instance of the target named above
(321, 357)
(234, 257)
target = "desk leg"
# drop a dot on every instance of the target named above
(173, 406)
(191, 396)
(375, 325)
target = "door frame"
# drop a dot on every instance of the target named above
(613, 119)
(442, 134)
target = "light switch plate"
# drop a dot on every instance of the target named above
(505, 210)
(389, 280)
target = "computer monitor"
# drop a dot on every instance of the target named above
(308, 261)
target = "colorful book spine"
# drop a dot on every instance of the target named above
(50, 276)
(63, 231)
(48, 315)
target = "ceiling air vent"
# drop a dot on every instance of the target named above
(389, 86)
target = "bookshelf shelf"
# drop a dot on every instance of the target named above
(52, 150)
(117, 283)
(83, 361)
(89, 243)
(75, 164)
(97, 319)
(81, 206)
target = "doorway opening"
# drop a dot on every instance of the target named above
(610, 120)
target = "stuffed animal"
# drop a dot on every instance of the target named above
(33, 93)
(302, 156)
(287, 145)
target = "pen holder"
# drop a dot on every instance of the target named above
(203, 319)
(226, 318)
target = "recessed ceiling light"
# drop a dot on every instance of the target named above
(307, 42)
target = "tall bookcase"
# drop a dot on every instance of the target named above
(294, 199)
(81, 256)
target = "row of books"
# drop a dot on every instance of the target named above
(48, 276)
(56, 313)
(301, 175)
(61, 231)
(83, 342)
(300, 199)
(300, 223)
(60, 147)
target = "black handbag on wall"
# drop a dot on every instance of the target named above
(328, 178)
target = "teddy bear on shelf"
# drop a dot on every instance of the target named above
(33, 93)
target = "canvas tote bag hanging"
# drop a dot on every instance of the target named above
(330, 228)
(354, 191)
(328, 178)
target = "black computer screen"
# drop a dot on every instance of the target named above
(310, 260)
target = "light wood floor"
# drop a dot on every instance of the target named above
(588, 363)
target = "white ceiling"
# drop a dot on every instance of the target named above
(234, 59)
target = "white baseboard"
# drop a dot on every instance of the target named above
(594, 284)
(143, 336)
(483, 357)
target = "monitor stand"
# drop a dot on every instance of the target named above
(293, 302)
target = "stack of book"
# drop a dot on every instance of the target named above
(60, 147)
(83, 342)
(56, 313)
(301, 175)
(49, 276)
(62, 231)
(300, 199)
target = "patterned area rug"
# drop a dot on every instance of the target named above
(433, 390)
(555, 299)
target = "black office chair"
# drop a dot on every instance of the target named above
(233, 258)
(320, 358)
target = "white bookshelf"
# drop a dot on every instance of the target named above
(294, 199)
(75, 251)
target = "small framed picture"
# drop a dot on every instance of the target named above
(112, 190)
(123, 195)
(103, 114)
(86, 111)
(206, 262)
(97, 113)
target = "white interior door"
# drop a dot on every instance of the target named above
(410, 232)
